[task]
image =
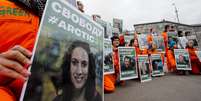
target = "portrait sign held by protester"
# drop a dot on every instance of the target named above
(127, 63)
(144, 68)
(108, 60)
(118, 23)
(198, 53)
(159, 43)
(104, 25)
(157, 65)
(195, 41)
(143, 44)
(182, 59)
(68, 57)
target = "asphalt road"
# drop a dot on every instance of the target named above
(170, 87)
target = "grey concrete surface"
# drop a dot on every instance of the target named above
(170, 87)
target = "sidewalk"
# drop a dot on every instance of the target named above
(166, 88)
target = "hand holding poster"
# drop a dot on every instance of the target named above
(157, 65)
(182, 59)
(198, 53)
(144, 68)
(108, 60)
(68, 57)
(127, 63)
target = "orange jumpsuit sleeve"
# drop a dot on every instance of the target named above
(6, 94)
(16, 28)
(149, 39)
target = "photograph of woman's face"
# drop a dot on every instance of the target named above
(79, 67)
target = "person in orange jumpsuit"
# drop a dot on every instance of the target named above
(150, 38)
(195, 63)
(134, 43)
(165, 37)
(154, 50)
(18, 30)
(171, 63)
(111, 79)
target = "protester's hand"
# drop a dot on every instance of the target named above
(12, 63)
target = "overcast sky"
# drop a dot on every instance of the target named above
(144, 11)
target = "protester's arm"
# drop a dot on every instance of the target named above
(12, 62)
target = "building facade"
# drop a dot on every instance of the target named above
(158, 27)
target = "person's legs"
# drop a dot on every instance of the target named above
(109, 83)
(171, 61)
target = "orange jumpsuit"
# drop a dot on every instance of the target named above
(110, 80)
(171, 63)
(195, 62)
(17, 27)
(149, 39)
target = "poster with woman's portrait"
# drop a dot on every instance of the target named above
(68, 57)
(144, 68)
(182, 59)
(127, 63)
(108, 60)
(157, 65)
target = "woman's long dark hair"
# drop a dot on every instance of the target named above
(166, 27)
(90, 85)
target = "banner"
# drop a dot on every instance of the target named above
(108, 60)
(198, 53)
(118, 23)
(157, 65)
(142, 40)
(68, 56)
(182, 59)
(144, 68)
(127, 63)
